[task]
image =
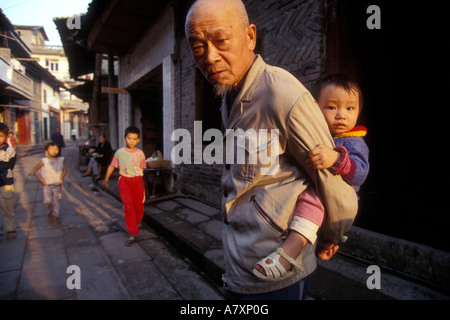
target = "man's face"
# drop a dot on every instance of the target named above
(222, 48)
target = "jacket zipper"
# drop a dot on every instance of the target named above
(265, 216)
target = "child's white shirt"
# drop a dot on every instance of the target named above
(51, 170)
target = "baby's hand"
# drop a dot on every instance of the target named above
(322, 157)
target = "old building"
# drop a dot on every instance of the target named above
(66, 110)
(28, 90)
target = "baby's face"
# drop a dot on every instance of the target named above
(339, 107)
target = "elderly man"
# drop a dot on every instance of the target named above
(258, 207)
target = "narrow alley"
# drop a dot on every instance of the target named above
(91, 236)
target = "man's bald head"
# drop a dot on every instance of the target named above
(200, 8)
(221, 41)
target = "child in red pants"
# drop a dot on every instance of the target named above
(131, 163)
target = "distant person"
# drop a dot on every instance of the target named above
(58, 138)
(101, 156)
(50, 172)
(12, 140)
(131, 163)
(7, 162)
(73, 134)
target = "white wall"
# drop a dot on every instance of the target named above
(155, 48)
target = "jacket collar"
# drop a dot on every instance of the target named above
(245, 95)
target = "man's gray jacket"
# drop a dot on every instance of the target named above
(258, 197)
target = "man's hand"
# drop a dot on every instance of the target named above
(322, 157)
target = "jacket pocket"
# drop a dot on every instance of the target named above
(266, 217)
(255, 154)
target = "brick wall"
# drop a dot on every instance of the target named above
(290, 36)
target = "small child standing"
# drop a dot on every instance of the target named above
(340, 100)
(7, 162)
(50, 172)
(131, 163)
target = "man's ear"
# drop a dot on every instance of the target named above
(251, 33)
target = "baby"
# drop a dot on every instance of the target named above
(340, 100)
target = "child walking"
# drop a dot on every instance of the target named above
(50, 172)
(340, 100)
(7, 162)
(131, 163)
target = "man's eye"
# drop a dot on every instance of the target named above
(220, 43)
(198, 50)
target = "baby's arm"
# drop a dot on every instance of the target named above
(351, 165)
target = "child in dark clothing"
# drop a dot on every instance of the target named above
(340, 101)
(7, 162)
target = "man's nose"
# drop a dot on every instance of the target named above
(212, 54)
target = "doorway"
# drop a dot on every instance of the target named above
(147, 95)
(397, 76)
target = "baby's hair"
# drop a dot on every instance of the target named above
(134, 130)
(339, 80)
(51, 144)
(4, 128)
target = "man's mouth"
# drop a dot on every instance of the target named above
(216, 76)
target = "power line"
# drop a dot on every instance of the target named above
(18, 4)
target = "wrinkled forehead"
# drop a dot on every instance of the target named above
(208, 20)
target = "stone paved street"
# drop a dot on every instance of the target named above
(91, 236)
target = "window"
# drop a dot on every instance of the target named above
(53, 64)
